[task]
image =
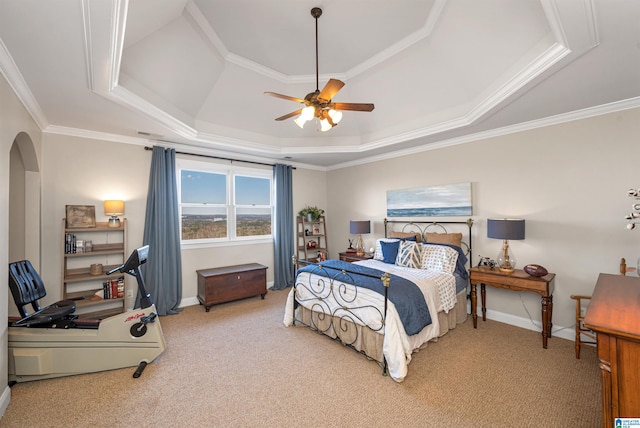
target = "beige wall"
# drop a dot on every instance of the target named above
(81, 171)
(568, 182)
(14, 120)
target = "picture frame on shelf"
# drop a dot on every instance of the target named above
(80, 216)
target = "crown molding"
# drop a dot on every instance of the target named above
(14, 78)
(512, 129)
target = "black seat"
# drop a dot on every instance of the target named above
(27, 288)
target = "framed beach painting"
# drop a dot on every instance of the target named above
(436, 201)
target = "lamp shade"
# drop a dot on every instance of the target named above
(359, 226)
(505, 228)
(113, 208)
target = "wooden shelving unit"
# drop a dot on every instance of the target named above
(109, 249)
(312, 231)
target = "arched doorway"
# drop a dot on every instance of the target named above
(24, 201)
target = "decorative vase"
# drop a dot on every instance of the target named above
(310, 217)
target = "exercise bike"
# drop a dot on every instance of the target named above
(53, 342)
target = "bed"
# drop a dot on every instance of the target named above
(413, 291)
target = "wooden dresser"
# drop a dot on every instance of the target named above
(224, 284)
(614, 314)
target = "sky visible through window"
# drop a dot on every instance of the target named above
(210, 188)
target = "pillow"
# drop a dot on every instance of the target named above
(390, 251)
(461, 264)
(444, 238)
(407, 236)
(409, 255)
(438, 257)
(377, 254)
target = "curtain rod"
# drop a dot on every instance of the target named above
(220, 158)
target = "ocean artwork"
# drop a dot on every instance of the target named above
(437, 201)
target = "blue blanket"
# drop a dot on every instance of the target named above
(405, 295)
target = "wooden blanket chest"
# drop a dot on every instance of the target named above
(228, 283)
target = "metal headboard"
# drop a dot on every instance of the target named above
(424, 226)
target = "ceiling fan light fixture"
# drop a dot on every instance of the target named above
(335, 115)
(325, 125)
(318, 103)
(308, 112)
(300, 121)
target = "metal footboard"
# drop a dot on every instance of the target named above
(341, 317)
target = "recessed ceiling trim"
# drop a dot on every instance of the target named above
(423, 33)
(199, 19)
(94, 135)
(88, 55)
(103, 43)
(548, 59)
(584, 35)
(10, 71)
(127, 98)
(512, 129)
(119, 19)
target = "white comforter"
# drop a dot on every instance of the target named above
(439, 290)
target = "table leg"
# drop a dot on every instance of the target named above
(545, 321)
(483, 293)
(474, 306)
(550, 315)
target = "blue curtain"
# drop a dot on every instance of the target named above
(283, 237)
(163, 270)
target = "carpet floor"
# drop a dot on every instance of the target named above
(239, 366)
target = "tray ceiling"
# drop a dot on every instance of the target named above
(439, 72)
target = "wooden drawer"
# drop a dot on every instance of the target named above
(228, 283)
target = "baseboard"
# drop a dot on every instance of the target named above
(5, 399)
(189, 301)
(567, 333)
(192, 301)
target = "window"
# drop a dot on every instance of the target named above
(220, 203)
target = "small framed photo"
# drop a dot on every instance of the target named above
(316, 229)
(80, 216)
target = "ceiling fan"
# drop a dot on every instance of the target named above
(319, 103)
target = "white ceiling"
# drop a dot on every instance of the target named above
(194, 72)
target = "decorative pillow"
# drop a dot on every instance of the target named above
(377, 254)
(444, 238)
(407, 236)
(409, 255)
(438, 257)
(390, 251)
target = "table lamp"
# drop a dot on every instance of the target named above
(114, 208)
(505, 228)
(359, 227)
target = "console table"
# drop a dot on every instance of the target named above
(614, 314)
(518, 280)
(224, 284)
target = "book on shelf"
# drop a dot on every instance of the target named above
(113, 288)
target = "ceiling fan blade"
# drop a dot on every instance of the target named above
(287, 116)
(353, 106)
(330, 89)
(284, 97)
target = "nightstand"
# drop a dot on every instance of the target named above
(352, 257)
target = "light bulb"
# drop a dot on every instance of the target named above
(308, 112)
(335, 115)
(325, 125)
(300, 121)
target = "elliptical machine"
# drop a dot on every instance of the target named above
(53, 342)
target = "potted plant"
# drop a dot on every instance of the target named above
(311, 213)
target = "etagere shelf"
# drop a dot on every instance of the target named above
(87, 289)
(312, 239)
